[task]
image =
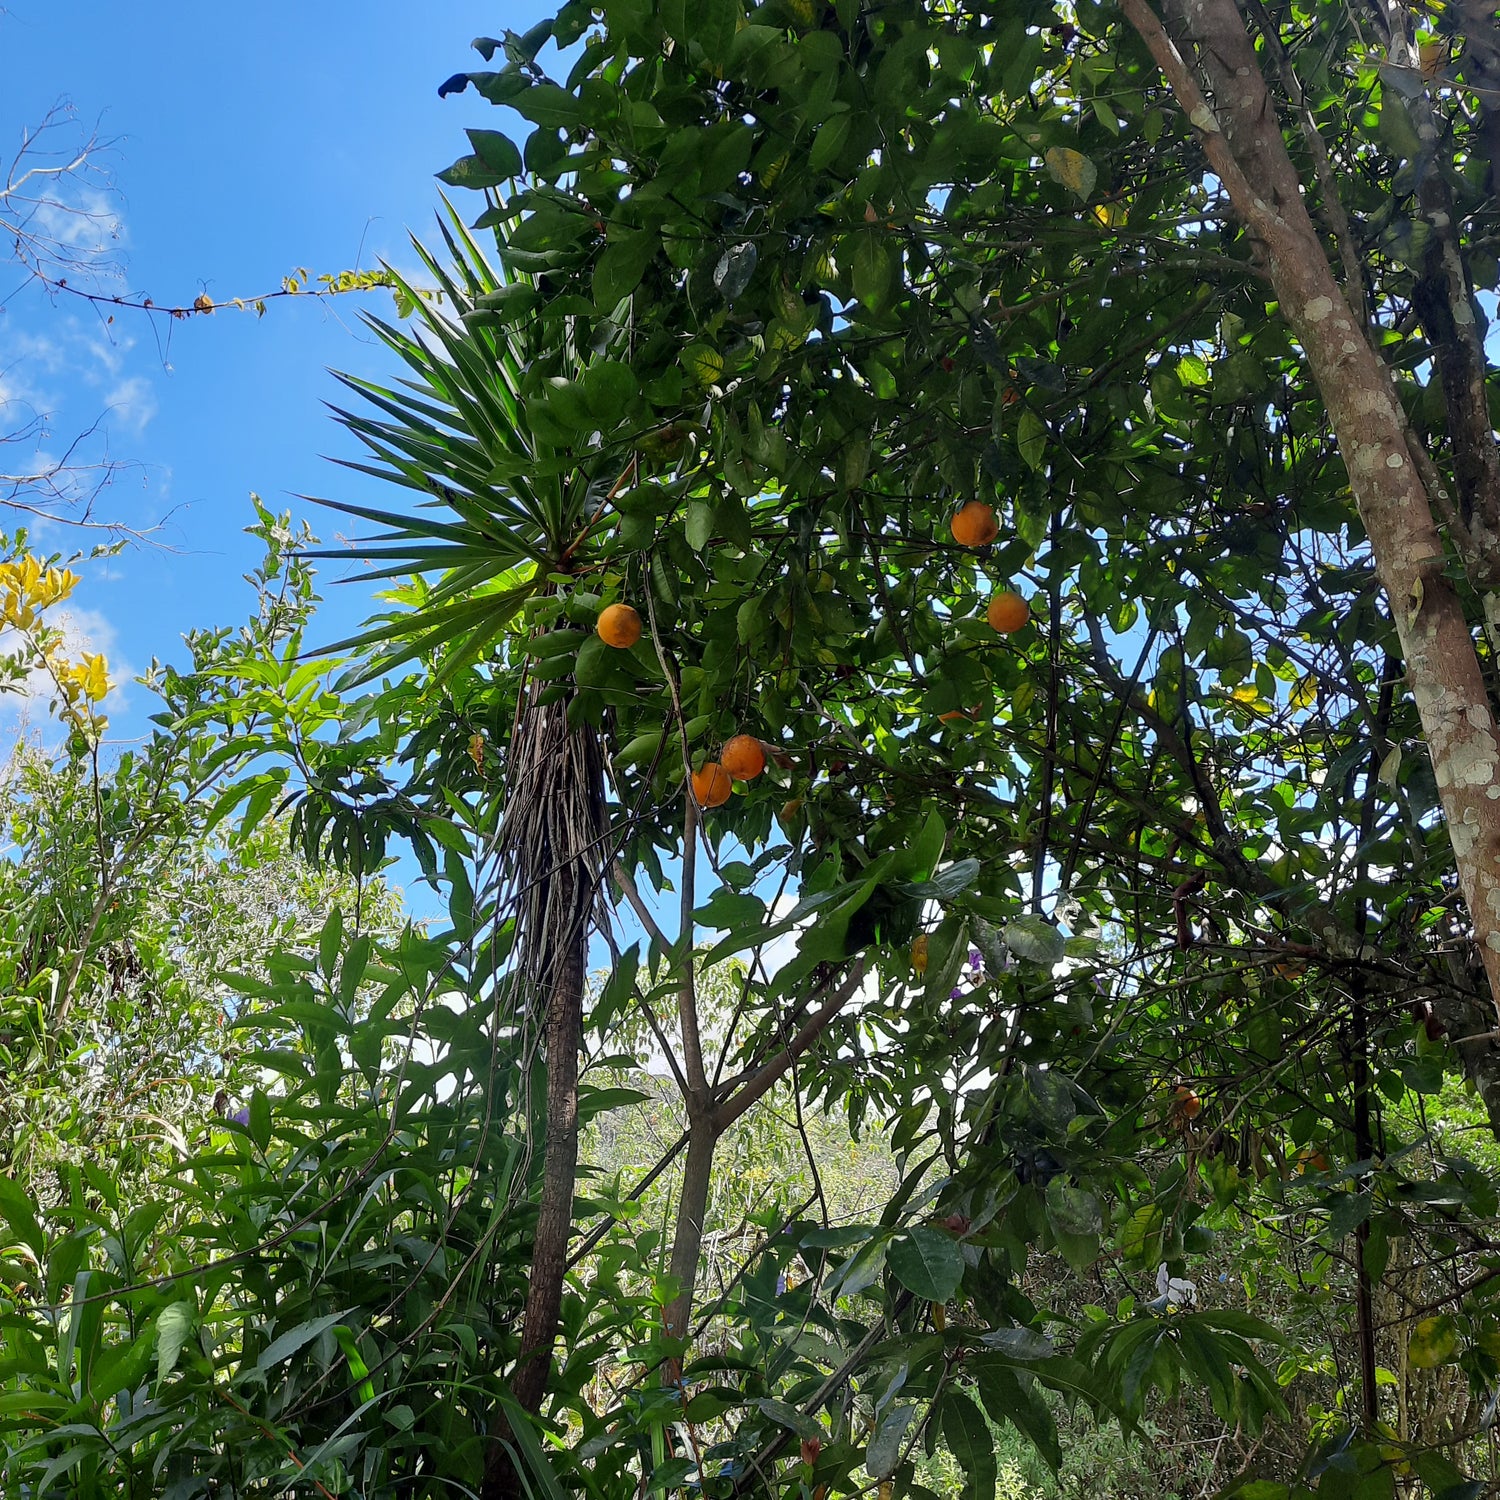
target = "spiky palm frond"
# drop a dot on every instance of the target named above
(508, 496)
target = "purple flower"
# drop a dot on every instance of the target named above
(241, 1117)
(976, 959)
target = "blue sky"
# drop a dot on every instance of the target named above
(247, 143)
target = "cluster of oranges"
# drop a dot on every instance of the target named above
(743, 757)
(974, 525)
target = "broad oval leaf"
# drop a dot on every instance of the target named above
(1073, 170)
(927, 1263)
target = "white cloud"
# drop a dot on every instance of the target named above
(84, 631)
(132, 403)
(87, 222)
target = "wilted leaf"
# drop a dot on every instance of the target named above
(1073, 170)
(1433, 1342)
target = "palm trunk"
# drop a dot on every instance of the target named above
(554, 1222)
(552, 835)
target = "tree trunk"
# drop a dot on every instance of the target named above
(1241, 136)
(554, 1222)
(552, 834)
(692, 1211)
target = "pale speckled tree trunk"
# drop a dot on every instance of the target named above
(1241, 135)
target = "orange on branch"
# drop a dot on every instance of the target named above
(1007, 612)
(743, 757)
(619, 626)
(712, 784)
(974, 525)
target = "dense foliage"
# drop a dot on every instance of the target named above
(1130, 912)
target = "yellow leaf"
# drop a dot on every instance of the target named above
(1072, 169)
(1112, 215)
(1305, 693)
(1433, 1342)
(703, 363)
(94, 677)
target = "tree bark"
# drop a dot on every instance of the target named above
(551, 835)
(554, 1224)
(1241, 136)
(707, 1125)
(692, 1211)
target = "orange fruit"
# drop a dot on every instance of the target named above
(1189, 1105)
(974, 525)
(712, 784)
(743, 757)
(619, 626)
(1008, 612)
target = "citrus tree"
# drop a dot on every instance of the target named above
(862, 322)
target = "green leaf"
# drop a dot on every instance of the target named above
(1433, 1342)
(470, 172)
(1072, 1209)
(173, 1325)
(884, 1452)
(1140, 1238)
(497, 151)
(1035, 939)
(16, 1209)
(967, 1435)
(788, 1416)
(1031, 439)
(260, 1118)
(288, 1343)
(1007, 1398)
(927, 1263)
(703, 362)
(1020, 1343)
(619, 269)
(873, 270)
(357, 1366)
(699, 524)
(829, 142)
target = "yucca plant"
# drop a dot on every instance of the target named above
(500, 432)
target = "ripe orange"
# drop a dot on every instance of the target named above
(743, 757)
(712, 784)
(974, 525)
(1189, 1105)
(619, 626)
(1008, 612)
